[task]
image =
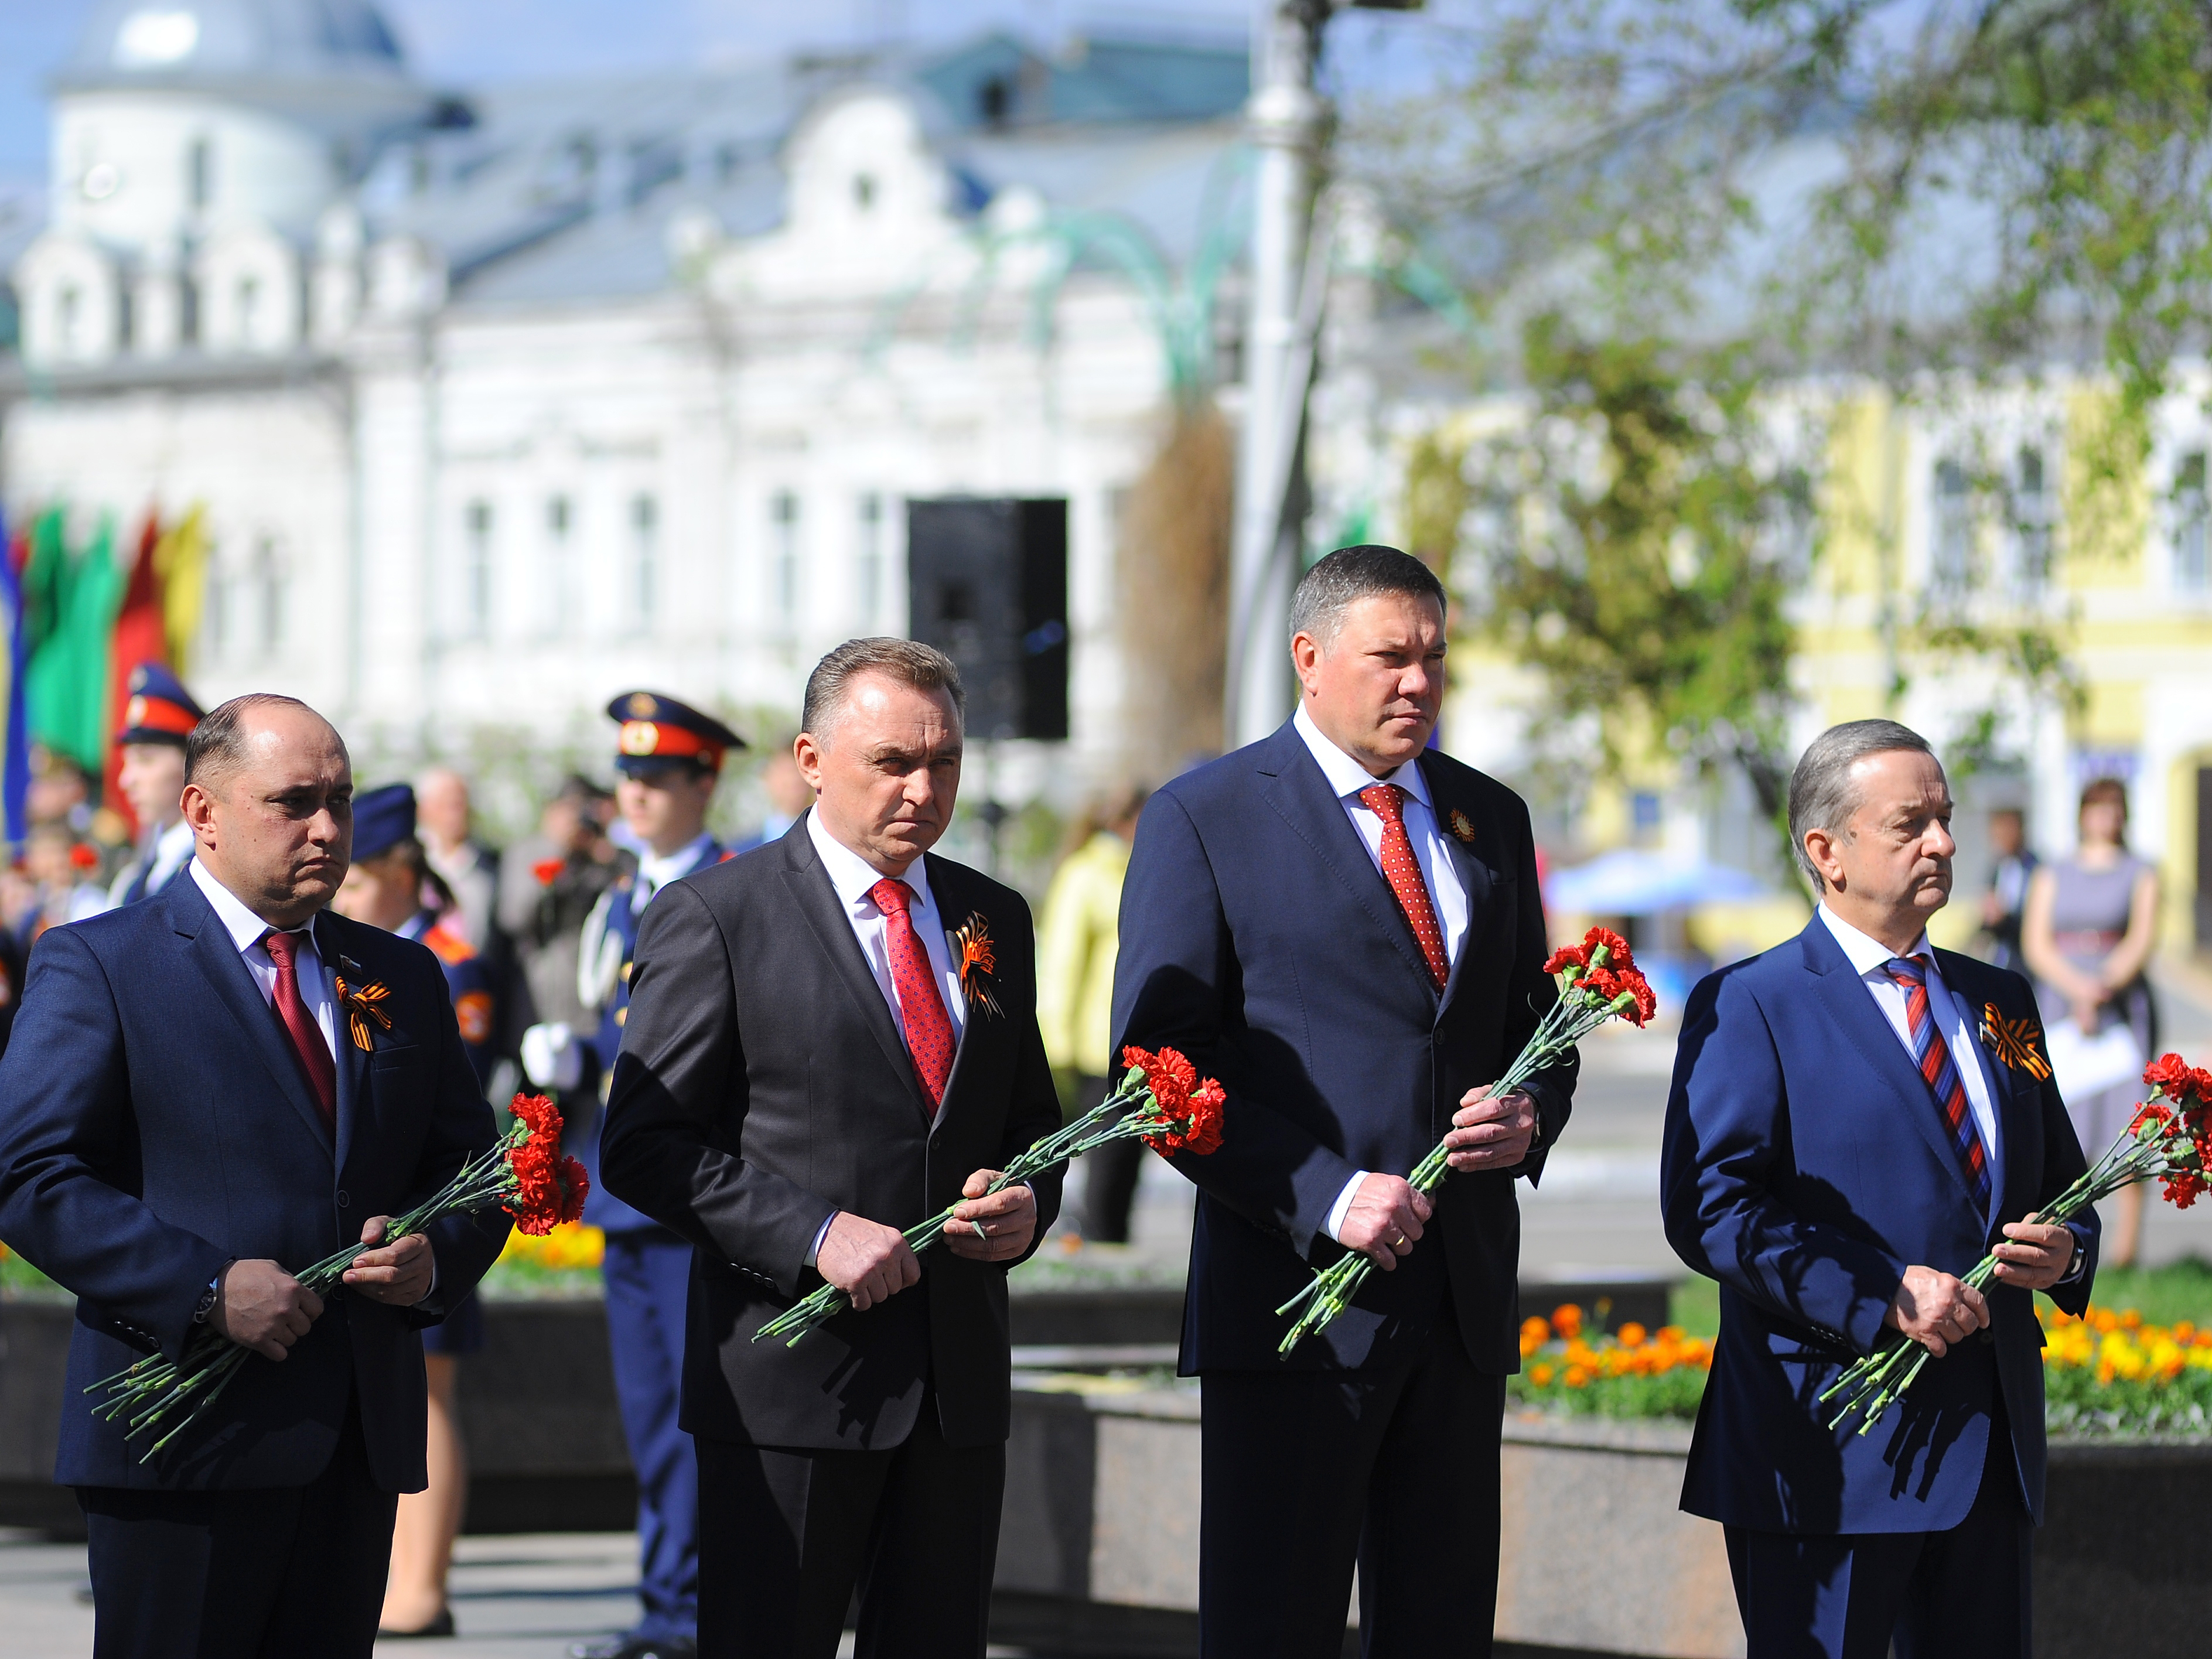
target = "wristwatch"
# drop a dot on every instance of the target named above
(210, 1296)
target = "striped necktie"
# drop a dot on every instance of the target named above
(1941, 1072)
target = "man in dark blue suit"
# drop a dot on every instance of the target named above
(1844, 1140)
(186, 1112)
(1344, 926)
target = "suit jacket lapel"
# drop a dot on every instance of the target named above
(809, 885)
(224, 968)
(1297, 790)
(1474, 881)
(352, 1058)
(1870, 1033)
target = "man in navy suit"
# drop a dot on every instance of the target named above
(1344, 926)
(185, 1113)
(1843, 1141)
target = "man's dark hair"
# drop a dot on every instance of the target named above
(1821, 794)
(1341, 578)
(910, 662)
(216, 747)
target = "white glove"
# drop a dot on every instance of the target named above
(552, 1056)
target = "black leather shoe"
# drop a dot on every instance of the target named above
(441, 1625)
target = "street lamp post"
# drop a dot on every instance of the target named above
(1289, 272)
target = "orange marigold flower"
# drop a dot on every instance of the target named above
(1576, 1378)
(1541, 1375)
(1632, 1335)
(1567, 1320)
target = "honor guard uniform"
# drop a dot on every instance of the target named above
(383, 842)
(156, 721)
(668, 754)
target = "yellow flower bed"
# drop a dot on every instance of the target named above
(2114, 1373)
(568, 1248)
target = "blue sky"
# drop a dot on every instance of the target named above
(467, 42)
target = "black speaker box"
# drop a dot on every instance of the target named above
(987, 581)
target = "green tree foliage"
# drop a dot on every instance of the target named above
(1649, 553)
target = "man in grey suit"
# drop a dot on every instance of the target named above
(830, 1038)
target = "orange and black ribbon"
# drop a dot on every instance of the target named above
(364, 1003)
(2014, 1042)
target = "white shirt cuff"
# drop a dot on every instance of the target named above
(820, 1233)
(1337, 1210)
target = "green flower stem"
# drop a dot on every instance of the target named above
(1128, 1114)
(151, 1390)
(1568, 1021)
(1873, 1383)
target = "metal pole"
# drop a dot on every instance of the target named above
(1284, 119)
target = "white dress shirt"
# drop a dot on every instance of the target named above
(1870, 959)
(655, 872)
(853, 877)
(246, 930)
(1347, 777)
(1447, 894)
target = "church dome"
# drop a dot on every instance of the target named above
(183, 42)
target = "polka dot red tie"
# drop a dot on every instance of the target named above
(1403, 871)
(920, 1005)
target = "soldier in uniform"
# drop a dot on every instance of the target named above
(670, 759)
(386, 887)
(157, 720)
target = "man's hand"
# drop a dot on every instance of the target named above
(1491, 1134)
(399, 1275)
(869, 1262)
(260, 1306)
(2038, 1257)
(995, 1229)
(1384, 1219)
(1934, 1309)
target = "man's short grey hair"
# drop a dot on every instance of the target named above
(907, 661)
(1341, 578)
(216, 747)
(1822, 795)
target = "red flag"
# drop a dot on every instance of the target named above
(139, 638)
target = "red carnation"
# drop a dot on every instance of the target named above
(541, 1115)
(575, 1187)
(547, 870)
(1207, 1101)
(1566, 957)
(1617, 953)
(2170, 1075)
(1647, 1003)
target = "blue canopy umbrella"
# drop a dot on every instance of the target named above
(1628, 881)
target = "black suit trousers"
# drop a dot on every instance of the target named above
(259, 1573)
(1309, 1472)
(785, 1536)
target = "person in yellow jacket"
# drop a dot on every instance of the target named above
(1077, 938)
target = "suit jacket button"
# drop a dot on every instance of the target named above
(342, 1200)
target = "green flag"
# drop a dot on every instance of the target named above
(70, 600)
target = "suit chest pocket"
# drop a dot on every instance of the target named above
(401, 1065)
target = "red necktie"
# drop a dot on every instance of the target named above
(1941, 1072)
(299, 1025)
(1403, 871)
(921, 1008)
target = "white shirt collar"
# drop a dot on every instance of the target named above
(658, 871)
(1346, 776)
(173, 843)
(852, 875)
(1865, 953)
(244, 928)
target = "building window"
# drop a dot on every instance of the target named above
(557, 600)
(2032, 524)
(783, 514)
(864, 191)
(868, 568)
(265, 598)
(2192, 559)
(199, 174)
(1950, 551)
(249, 311)
(644, 561)
(475, 571)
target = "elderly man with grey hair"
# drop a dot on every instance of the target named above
(1342, 924)
(1856, 1119)
(810, 1066)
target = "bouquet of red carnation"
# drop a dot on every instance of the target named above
(2171, 1138)
(525, 1173)
(1160, 1101)
(1598, 980)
